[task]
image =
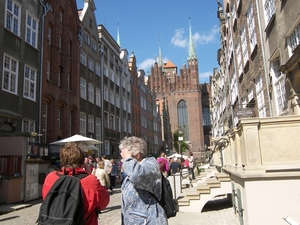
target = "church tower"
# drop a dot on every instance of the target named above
(181, 93)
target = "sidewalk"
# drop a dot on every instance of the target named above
(216, 212)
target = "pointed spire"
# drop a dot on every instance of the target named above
(118, 35)
(192, 53)
(160, 61)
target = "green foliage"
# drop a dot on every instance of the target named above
(176, 142)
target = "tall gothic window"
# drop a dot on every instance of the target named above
(206, 116)
(183, 118)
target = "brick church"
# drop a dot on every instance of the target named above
(185, 100)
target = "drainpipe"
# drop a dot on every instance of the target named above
(47, 8)
(264, 58)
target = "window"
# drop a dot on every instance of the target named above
(112, 122)
(91, 64)
(124, 103)
(106, 94)
(82, 88)
(206, 116)
(87, 38)
(97, 69)
(183, 118)
(31, 30)
(251, 28)
(10, 75)
(244, 45)
(279, 85)
(60, 17)
(28, 126)
(260, 97)
(82, 57)
(112, 99)
(269, 7)
(129, 126)
(98, 129)
(117, 100)
(106, 147)
(82, 124)
(91, 124)
(117, 124)
(239, 58)
(105, 71)
(91, 93)
(58, 117)
(294, 38)
(124, 125)
(29, 83)
(13, 17)
(106, 119)
(129, 106)
(49, 35)
(48, 69)
(98, 97)
(93, 45)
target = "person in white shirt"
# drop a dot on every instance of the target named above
(102, 175)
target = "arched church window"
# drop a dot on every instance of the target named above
(183, 118)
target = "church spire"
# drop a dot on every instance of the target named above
(192, 53)
(160, 60)
(118, 35)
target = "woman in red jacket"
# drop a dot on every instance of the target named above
(96, 197)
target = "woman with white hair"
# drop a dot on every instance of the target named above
(143, 180)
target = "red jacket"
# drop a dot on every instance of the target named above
(96, 196)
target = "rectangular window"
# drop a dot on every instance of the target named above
(106, 94)
(294, 38)
(106, 147)
(239, 58)
(28, 126)
(87, 38)
(269, 7)
(244, 46)
(13, 16)
(93, 44)
(251, 28)
(29, 83)
(82, 57)
(10, 74)
(97, 69)
(111, 96)
(91, 64)
(91, 124)
(124, 125)
(117, 124)
(106, 119)
(117, 101)
(82, 124)
(98, 97)
(279, 84)
(112, 122)
(98, 129)
(260, 97)
(82, 89)
(91, 93)
(31, 30)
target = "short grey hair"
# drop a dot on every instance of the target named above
(135, 145)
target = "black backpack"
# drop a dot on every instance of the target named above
(167, 202)
(64, 204)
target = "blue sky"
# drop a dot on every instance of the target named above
(146, 25)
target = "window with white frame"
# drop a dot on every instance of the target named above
(279, 85)
(260, 97)
(87, 39)
(250, 93)
(13, 16)
(251, 28)
(124, 125)
(97, 69)
(117, 100)
(117, 80)
(48, 70)
(91, 64)
(129, 106)
(82, 124)
(31, 30)
(106, 95)
(124, 103)
(90, 124)
(112, 122)
(239, 58)
(98, 129)
(98, 97)
(105, 70)
(117, 124)
(294, 38)
(93, 44)
(106, 119)
(82, 88)
(233, 88)
(29, 83)
(106, 147)
(82, 57)
(28, 126)
(244, 45)
(10, 74)
(91, 93)
(112, 97)
(269, 7)
(111, 75)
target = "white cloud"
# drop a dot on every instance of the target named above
(204, 77)
(178, 40)
(146, 65)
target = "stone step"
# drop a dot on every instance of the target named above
(222, 177)
(183, 201)
(213, 182)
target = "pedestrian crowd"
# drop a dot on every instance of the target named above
(140, 177)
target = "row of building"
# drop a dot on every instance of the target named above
(64, 74)
(259, 62)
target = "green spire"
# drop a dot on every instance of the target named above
(192, 53)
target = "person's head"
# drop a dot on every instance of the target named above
(71, 156)
(191, 153)
(90, 159)
(103, 157)
(101, 165)
(112, 161)
(162, 155)
(135, 145)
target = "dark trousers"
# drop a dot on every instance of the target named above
(112, 182)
